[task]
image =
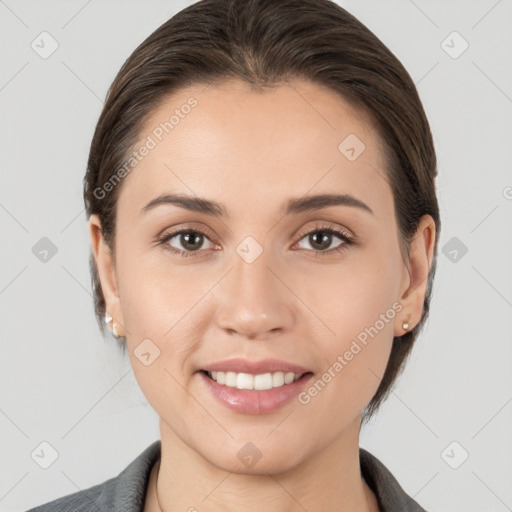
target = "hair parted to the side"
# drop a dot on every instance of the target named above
(265, 43)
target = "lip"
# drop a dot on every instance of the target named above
(246, 401)
(239, 365)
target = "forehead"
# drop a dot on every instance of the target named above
(228, 142)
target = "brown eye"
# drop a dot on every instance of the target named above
(185, 241)
(320, 240)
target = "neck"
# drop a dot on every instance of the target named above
(330, 480)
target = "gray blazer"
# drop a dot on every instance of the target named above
(126, 492)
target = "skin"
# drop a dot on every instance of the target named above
(292, 303)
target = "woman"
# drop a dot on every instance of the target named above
(264, 224)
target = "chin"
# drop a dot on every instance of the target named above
(254, 459)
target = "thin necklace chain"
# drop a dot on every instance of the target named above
(156, 487)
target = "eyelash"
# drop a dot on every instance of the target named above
(345, 237)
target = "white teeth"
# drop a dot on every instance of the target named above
(230, 379)
(277, 379)
(244, 381)
(254, 382)
(288, 377)
(262, 382)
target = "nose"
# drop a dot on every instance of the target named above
(253, 300)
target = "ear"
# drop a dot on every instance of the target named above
(106, 271)
(414, 282)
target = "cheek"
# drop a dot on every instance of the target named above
(160, 302)
(360, 311)
(354, 295)
(162, 311)
(354, 358)
(156, 294)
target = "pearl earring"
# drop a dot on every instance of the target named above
(405, 326)
(108, 319)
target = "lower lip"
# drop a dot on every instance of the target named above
(247, 401)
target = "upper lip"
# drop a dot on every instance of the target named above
(255, 367)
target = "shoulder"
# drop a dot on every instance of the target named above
(389, 493)
(124, 493)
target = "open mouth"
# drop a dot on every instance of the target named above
(259, 382)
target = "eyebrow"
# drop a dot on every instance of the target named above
(299, 205)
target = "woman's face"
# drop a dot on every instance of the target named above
(262, 277)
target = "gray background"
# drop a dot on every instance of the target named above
(63, 384)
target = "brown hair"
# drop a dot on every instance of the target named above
(262, 43)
